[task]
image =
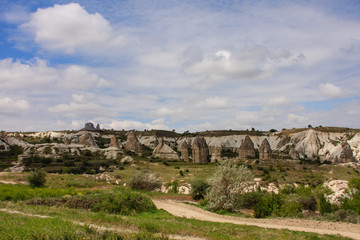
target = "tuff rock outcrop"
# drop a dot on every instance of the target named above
(346, 153)
(265, 152)
(132, 143)
(200, 150)
(247, 149)
(98, 127)
(87, 139)
(285, 139)
(89, 127)
(184, 150)
(216, 154)
(114, 142)
(164, 151)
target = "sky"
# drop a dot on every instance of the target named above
(185, 65)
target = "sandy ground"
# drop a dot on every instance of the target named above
(180, 209)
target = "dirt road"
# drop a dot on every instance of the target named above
(180, 209)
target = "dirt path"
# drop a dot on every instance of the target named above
(180, 209)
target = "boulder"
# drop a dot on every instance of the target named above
(346, 153)
(216, 154)
(114, 142)
(164, 151)
(200, 150)
(247, 148)
(87, 139)
(184, 150)
(133, 144)
(265, 150)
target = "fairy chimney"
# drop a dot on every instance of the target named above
(265, 150)
(247, 149)
(216, 154)
(132, 143)
(114, 142)
(346, 153)
(200, 150)
(184, 150)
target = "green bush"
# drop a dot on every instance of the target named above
(227, 182)
(269, 205)
(144, 180)
(198, 189)
(125, 203)
(37, 178)
(290, 209)
(249, 200)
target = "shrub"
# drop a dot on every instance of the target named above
(125, 203)
(144, 180)
(173, 186)
(269, 205)
(198, 189)
(226, 183)
(37, 178)
(343, 216)
(290, 209)
(249, 200)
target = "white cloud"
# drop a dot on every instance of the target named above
(296, 120)
(163, 111)
(213, 103)
(11, 106)
(79, 77)
(69, 28)
(330, 90)
(36, 74)
(129, 124)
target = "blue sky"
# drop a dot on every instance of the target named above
(184, 65)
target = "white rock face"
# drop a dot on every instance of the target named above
(162, 150)
(339, 188)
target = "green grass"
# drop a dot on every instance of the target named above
(158, 221)
(24, 192)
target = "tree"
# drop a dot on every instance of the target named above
(37, 178)
(228, 181)
(309, 126)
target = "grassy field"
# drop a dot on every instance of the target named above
(64, 223)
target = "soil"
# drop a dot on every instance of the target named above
(181, 209)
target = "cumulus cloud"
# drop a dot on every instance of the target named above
(36, 73)
(330, 90)
(12, 106)
(69, 28)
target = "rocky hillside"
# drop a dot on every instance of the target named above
(338, 146)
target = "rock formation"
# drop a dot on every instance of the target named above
(89, 127)
(200, 150)
(216, 154)
(247, 148)
(86, 139)
(184, 150)
(114, 142)
(133, 144)
(98, 127)
(285, 139)
(164, 151)
(346, 153)
(265, 150)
